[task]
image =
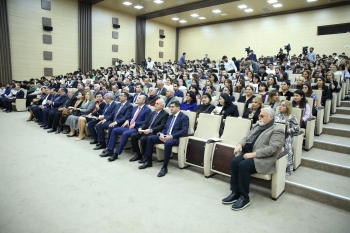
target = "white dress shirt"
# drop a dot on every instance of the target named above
(230, 65)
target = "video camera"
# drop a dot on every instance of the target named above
(248, 50)
(287, 47)
(305, 48)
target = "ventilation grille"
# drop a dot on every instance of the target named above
(266, 10)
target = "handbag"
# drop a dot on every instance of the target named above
(76, 113)
(66, 111)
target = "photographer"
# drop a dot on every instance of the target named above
(253, 56)
(230, 66)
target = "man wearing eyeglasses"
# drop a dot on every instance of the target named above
(255, 153)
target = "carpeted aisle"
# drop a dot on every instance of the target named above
(51, 183)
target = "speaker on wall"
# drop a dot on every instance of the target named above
(47, 28)
(116, 26)
(162, 36)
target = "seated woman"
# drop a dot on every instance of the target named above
(301, 102)
(214, 79)
(194, 89)
(186, 79)
(240, 87)
(195, 82)
(253, 112)
(326, 93)
(227, 83)
(208, 83)
(181, 84)
(308, 93)
(168, 84)
(205, 107)
(228, 91)
(86, 107)
(273, 99)
(299, 85)
(307, 75)
(226, 108)
(66, 113)
(256, 79)
(248, 97)
(333, 84)
(190, 102)
(248, 75)
(272, 83)
(284, 115)
(285, 90)
(99, 106)
(210, 91)
(263, 91)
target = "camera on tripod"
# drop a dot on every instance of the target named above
(288, 48)
(248, 50)
(305, 48)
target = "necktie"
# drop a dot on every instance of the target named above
(155, 116)
(135, 98)
(171, 125)
(135, 116)
(115, 117)
(105, 110)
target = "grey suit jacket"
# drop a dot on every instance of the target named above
(170, 101)
(267, 148)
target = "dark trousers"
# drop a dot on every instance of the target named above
(100, 129)
(36, 112)
(125, 132)
(92, 130)
(30, 99)
(168, 145)
(51, 117)
(8, 104)
(40, 114)
(56, 120)
(135, 138)
(45, 115)
(241, 171)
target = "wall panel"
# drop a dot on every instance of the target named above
(26, 35)
(266, 35)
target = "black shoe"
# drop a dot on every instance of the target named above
(46, 127)
(100, 146)
(113, 157)
(106, 153)
(135, 158)
(93, 142)
(162, 172)
(59, 130)
(51, 131)
(65, 132)
(70, 135)
(241, 203)
(39, 122)
(146, 165)
(232, 198)
(43, 126)
(143, 160)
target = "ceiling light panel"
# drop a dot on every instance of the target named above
(248, 10)
(194, 15)
(216, 11)
(311, 0)
(201, 18)
(127, 3)
(272, 1)
(158, 1)
(242, 6)
(175, 18)
(277, 5)
(183, 21)
(138, 7)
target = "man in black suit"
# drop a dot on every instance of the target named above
(54, 107)
(138, 92)
(121, 113)
(175, 127)
(154, 124)
(55, 118)
(161, 89)
(107, 113)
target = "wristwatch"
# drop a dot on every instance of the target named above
(151, 130)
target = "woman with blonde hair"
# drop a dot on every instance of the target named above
(284, 115)
(253, 112)
(86, 107)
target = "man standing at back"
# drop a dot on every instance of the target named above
(230, 66)
(182, 60)
(175, 127)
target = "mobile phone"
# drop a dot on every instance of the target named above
(162, 135)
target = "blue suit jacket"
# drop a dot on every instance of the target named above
(7, 91)
(20, 94)
(142, 117)
(52, 98)
(58, 102)
(180, 127)
(179, 93)
(123, 115)
(142, 93)
(110, 110)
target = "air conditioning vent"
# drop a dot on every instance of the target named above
(266, 10)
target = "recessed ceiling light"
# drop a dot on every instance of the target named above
(223, 14)
(138, 7)
(127, 3)
(277, 5)
(175, 18)
(194, 15)
(311, 0)
(183, 21)
(216, 11)
(158, 1)
(272, 1)
(248, 10)
(242, 6)
(201, 18)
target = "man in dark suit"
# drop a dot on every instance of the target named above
(44, 107)
(138, 117)
(128, 84)
(121, 113)
(177, 92)
(138, 92)
(175, 127)
(169, 97)
(55, 118)
(161, 89)
(36, 114)
(154, 124)
(8, 102)
(53, 106)
(107, 113)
